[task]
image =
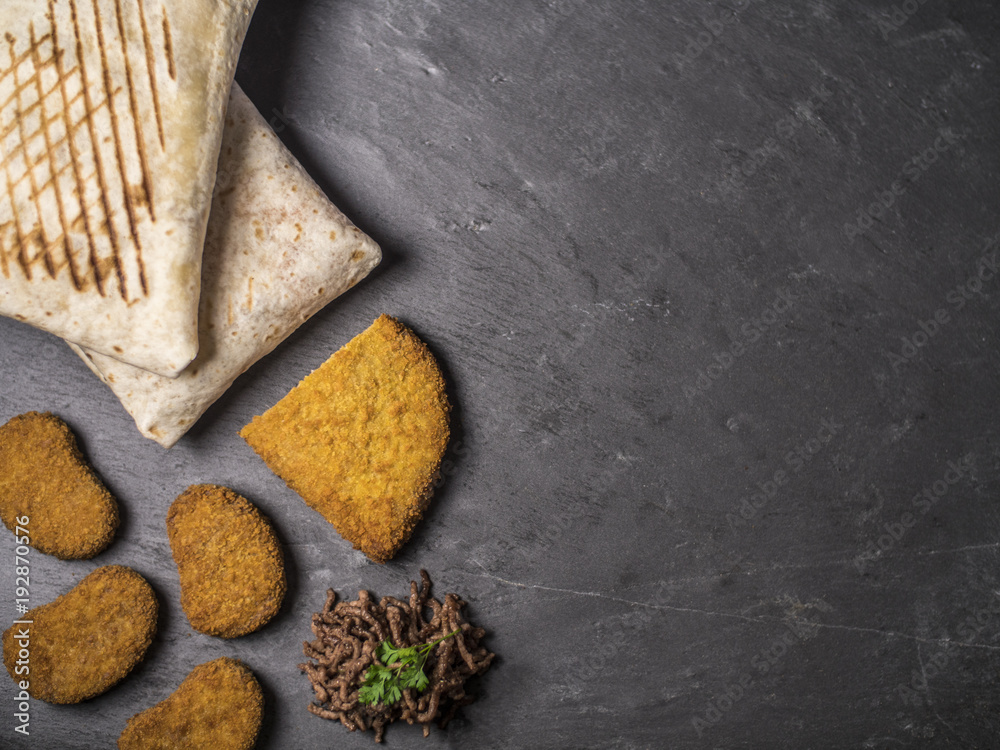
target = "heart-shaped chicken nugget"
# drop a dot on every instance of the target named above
(48, 492)
(219, 705)
(230, 563)
(85, 641)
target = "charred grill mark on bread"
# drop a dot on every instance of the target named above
(32, 177)
(66, 97)
(151, 72)
(95, 144)
(109, 94)
(140, 144)
(75, 156)
(168, 47)
(54, 179)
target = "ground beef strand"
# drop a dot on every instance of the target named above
(347, 635)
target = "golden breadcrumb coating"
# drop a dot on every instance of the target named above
(218, 706)
(44, 476)
(231, 567)
(86, 640)
(362, 437)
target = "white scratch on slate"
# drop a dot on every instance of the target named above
(994, 545)
(923, 675)
(760, 619)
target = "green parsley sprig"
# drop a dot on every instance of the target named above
(400, 668)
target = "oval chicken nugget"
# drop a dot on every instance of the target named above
(362, 437)
(230, 563)
(219, 706)
(44, 478)
(85, 641)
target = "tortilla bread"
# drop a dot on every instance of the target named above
(276, 252)
(111, 116)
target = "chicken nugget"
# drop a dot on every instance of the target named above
(219, 705)
(231, 567)
(87, 640)
(361, 438)
(45, 479)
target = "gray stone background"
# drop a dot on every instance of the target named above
(713, 288)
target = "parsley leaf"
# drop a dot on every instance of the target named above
(396, 670)
(370, 694)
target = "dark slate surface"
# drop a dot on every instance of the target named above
(727, 459)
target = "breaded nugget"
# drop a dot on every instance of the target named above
(44, 477)
(230, 563)
(218, 706)
(85, 641)
(361, 438)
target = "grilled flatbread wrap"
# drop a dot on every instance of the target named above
(111, 116)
